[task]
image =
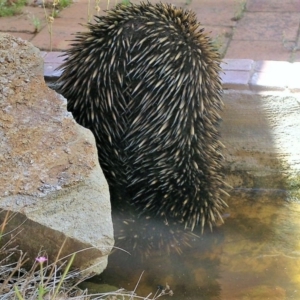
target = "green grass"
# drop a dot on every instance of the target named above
(239, 13)
(36, 22)
(10, 8)
(57, 4)
(64, 3)
(125, 2)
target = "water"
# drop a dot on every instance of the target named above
(254, 255)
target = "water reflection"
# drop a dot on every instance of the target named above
(255, 255)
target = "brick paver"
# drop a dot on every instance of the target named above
(265, 31)
(62, 34)
(273, 5)
(258, 50)
(267, 26)
(237, 65)
(23, 22)
(236, 80)
(215, 13)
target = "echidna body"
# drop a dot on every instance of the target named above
(144, 79)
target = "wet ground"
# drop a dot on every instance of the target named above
(254, 255)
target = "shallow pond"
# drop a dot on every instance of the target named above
(254, 255)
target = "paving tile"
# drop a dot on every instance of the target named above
(275, 81)
(267, 31)
(216, 31)
(24, 21)
(220, 35)
(237, 80)
(80, 12)
(215, 12)
(295, 54)
(83, 13)
(237, 64)
(50, 71)
(208, 13)
(270, 66)
(62, 35)
(295, 57)
(294, 75)
(266, 26)
(297, 46)
(273, 5)
(257, 50)
(43, 54)
(281, 73)
(276, 75)
(54, 57)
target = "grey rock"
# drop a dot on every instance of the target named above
(50, 179)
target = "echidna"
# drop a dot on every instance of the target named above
(145, 80)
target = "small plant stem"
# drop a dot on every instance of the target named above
(88, 10)
(41, 288)
(4, 224)
(51, 37)
(18, 293)
(18, 266)
(63, 276)
(56, 260)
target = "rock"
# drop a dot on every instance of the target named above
(49, 172)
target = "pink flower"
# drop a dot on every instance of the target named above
(41, 259)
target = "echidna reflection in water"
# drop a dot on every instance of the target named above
(144, 79)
